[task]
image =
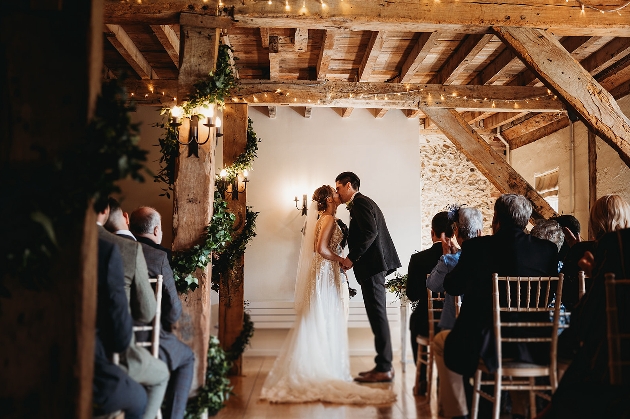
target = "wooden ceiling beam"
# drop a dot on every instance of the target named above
(607, 55)
(344, 112)
(169, 40)
(468, 49)
(562, 18)
(616, 74)
(538, 133)
(597, 108)
(300, 39)
(490, 163)
(413, 113)
(264, 37)
(325, 54)
(501, 118)
(129, 51)
(371, 55)
(495, 68)
(421, 49)
(401, 96)
(379, 113)
(531, 124)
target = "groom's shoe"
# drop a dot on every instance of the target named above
(376, 377)
(361, 374)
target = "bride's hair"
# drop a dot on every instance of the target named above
(321, 194)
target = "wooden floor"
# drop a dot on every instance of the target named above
(244, 403)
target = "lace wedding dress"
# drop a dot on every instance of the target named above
(313, 364)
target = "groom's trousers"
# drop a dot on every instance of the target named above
(373, 289)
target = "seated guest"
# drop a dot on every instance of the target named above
(469, 225)
(585, 390)
(571, 229)
(113, 389)
(550, 230)
(139, 363)
(508, 252)
(146, 224)
(420, 265)
(610, 213)
(118, 221)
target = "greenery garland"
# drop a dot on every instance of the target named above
(226, 259)
(217, 389)
(245, 159)
(48, 197)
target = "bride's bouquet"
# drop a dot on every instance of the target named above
(397, 285)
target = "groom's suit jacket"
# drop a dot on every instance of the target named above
(371, 247)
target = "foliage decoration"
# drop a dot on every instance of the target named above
(217, 389)
(50, 197)
(218, 233)
(398, 286)
(245, 159)
(241, 342)
(226, 259)
(211, 91)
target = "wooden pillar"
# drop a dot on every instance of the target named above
(592, 170)
(231, 286)
(49, 81)
(193, 195)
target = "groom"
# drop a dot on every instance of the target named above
(373, 256)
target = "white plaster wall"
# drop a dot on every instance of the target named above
(296, 156)
(613, 176)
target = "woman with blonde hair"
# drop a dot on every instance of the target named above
(610, 213)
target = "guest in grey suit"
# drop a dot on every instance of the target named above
(141, 366)
(373, 256)
(146, 225)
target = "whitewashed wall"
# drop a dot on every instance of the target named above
(613, 176)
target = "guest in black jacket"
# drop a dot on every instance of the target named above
(509, 252)
(420, 265)
(113, 389)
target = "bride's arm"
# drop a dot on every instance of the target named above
(328, 224)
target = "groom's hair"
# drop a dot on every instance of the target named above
(441, 224)
(346, 177)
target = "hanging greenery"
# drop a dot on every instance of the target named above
(211, 91)
(246, 158)
(218, 233)
(50, 196)
(241, 342)
(217, 389)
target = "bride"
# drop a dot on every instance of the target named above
(313, 364)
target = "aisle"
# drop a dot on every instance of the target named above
(244, 404)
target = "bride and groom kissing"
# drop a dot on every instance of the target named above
(313, 363)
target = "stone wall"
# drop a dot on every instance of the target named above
(448, 177)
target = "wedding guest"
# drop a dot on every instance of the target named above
(420, 265)
(118, 221)
(571, 229)
(550, 230)
(585, 390)
(113, 389)
(609, 213)
(469, 225)
(140, 365)
(508, 252)
(146, 224)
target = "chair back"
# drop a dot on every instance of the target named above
(527, 295)
(581, 284)
(435, 310)
(154, 328)
(618, 328)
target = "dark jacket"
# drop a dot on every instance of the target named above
(371, 247)
(510, 252)
(420, 265)
(570, 269)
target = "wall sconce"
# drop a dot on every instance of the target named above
(207, 111)
(303, 209)
(224, 186)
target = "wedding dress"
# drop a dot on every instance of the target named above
(313, 364)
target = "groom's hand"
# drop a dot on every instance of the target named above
(346, 263)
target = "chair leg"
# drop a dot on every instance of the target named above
(475, 399)
(532, 398)
(416, 390)
(430, 371)
(496, 405)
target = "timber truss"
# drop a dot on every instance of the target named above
(473, 69)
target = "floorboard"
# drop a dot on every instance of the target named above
(245, 403)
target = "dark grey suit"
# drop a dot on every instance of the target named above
(178, 356)
(373, 256)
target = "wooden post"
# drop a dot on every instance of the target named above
(231, 286)
(194, 195)
(50, 81)
(592, 169)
